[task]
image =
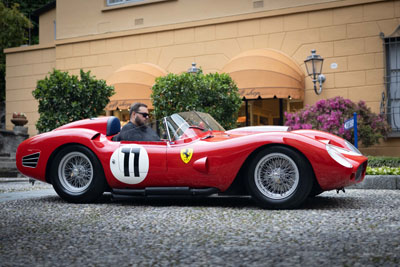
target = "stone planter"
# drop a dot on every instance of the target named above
(21, 121)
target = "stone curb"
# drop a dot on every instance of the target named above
(390, 182)
(378, 182)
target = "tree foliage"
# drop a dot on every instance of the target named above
(64, 98)
(13, 25)
(329, 115)
(28, 8)
(214, 93)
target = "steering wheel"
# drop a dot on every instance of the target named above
(196, 127)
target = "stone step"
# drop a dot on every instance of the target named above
(7, 159)
(8, 165)
(9, 173)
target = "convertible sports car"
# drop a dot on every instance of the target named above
(195, 157)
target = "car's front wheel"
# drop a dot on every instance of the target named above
(77, 175)
(279, 178)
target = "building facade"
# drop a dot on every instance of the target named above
(262, 44)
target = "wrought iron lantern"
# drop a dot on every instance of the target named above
(314, 64)
(193, 69)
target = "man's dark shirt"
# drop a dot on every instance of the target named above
(131, 132)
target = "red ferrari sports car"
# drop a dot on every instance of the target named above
(195, 157)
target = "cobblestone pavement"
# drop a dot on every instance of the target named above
(358, 228)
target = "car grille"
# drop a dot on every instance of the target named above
(31, 160)
(360, 170)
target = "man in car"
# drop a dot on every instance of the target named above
(136, 129)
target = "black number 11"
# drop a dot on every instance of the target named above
(127, 151)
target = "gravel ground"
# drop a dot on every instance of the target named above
(7, 187)
(358, 228)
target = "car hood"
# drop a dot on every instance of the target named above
(257, 129)
(320, 136)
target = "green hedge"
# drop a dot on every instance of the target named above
(65, 98)
(375, 162)
(383, 171)
(213, 93)
(383, 166)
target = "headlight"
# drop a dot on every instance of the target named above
(351, 147)
(338, 157)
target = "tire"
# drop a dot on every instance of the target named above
(315, 190)
(77, 175)
(279, 178)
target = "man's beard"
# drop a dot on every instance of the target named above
(138, 122)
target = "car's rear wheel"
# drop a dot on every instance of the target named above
(77, 175)
(279, 178)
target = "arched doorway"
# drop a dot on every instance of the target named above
(270, 83)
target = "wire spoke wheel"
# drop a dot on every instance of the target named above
(77, 175)
(75, 172)
(276, 176)
(279, 177)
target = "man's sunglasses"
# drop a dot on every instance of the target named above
(145, 115)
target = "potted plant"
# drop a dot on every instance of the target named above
(19, 119)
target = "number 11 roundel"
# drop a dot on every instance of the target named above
(130, 163)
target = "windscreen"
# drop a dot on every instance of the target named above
(189, 124)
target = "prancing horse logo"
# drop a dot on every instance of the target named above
(186, 154)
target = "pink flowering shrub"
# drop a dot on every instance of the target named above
(329, 115)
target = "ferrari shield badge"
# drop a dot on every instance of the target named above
(186, 154)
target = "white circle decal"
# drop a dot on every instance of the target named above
(130, 163)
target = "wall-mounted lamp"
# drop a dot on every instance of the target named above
(314, 69)
(193, 69)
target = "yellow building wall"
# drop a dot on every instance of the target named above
(46, 27)
(78, 18)
(23, 70)
(347, 36)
